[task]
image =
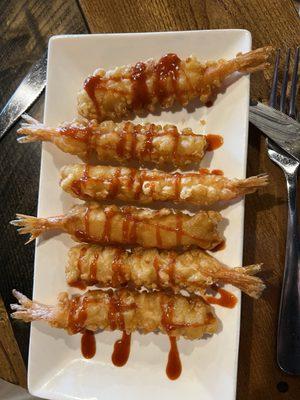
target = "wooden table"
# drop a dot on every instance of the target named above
(24, 30)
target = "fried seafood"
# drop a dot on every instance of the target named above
(94, 223)
(145, 186)
(192, 270)
(124, 310)
(121, 142)
(115, 94)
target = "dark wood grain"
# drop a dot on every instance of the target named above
(271, 22)
(25, 27)
(12, 367)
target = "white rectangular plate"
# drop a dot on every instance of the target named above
(56, 368)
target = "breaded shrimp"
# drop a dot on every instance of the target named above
(89, 182)
(94, 223)
(193, 270)
(120, 142)
(115, 94)
(124, 310)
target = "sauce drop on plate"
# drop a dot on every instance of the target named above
(226, 299)
(217, 172)
(88, 344)
(214, 142)
(174, 367)
(121, 350)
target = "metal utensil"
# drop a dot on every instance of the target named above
(288, 335)
(27, 92)
(282, 129)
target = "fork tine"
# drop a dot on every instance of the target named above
(284, 82)
(292, 110)
(273, 96)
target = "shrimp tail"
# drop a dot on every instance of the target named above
(250, 185)
(35, 226)
(28, 310)
(242, 277)
(254, 60)
(33, 130)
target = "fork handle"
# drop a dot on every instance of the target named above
(288, 339)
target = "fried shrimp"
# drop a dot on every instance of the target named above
(120, 142)
(163, 229)
(89, 182)
(124, 310)
(115, 94)
(193, 270)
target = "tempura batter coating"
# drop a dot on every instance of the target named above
(111, 95)
(164, 229)
(89, 182)
(123, 310)
(120, 142)
(192, 270)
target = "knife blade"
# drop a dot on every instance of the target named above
(27, 92)
(282, 129)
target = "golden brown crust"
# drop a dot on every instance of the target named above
(115, 94)
(120, 142)
(139, 226)
(163, 228)
(192, 270)
(124, 310)
(145, 186)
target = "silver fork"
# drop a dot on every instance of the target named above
(288, 335)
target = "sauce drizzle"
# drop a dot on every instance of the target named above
(79, 134)
(174, 368)
(120, 147)
(156, 266)
(109, 214)
(167, 66)
(177, 185)
(217, 172)
(226, 298)
(148, 148)
(158, 236)
(93, 269)
(121, 350)
(129, 228)
(115, 184)
(167, 308)
(84, 235)
(77, 185)
(130, 233)
(204, 171)
(90, 86)
(87, 221)
(179, 230)
(88, 344)
(77, 314)
(134, 133)
(171, 272)
(97, 82)
(214, 142)
(79, 283)
(175, 135)
(115, 313)
(118, 277)
(139, 86)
